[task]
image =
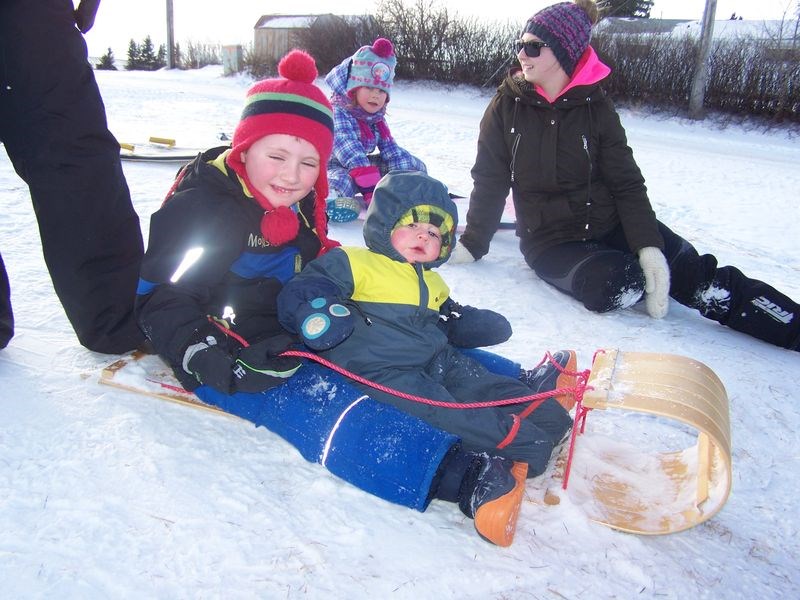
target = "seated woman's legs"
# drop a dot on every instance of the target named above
(600, 276)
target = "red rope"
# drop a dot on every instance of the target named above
(536, 400)
(581, 413)
(175, 184)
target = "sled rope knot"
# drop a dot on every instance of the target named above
(576, 392)
(579, 424)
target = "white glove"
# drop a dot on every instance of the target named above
(460, 255)
(656, 281)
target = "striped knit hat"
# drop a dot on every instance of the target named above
(566, 28)
(436, 216)
(291, 105)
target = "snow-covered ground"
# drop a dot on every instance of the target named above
(107, 494)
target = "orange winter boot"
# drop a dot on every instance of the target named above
(496, 498)
(546, 376)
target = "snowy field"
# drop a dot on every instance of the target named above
(106, 494)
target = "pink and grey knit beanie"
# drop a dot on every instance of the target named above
(373, 66)
(566, 28)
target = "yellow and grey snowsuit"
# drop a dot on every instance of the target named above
(396, 340)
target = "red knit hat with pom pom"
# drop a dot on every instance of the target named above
(290, 105)
(373, 66)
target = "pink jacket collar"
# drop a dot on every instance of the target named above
(588, 71)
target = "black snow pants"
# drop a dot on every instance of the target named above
(53, 125)
(605, 275)
(456, 378)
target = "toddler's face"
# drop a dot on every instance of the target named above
(417, 242)
(282, 167)
(370, 99)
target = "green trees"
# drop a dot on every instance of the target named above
(106, 62)
(144, 57)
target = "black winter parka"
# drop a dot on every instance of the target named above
(237, 271)
(568, 164)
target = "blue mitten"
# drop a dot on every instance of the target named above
(324, 324)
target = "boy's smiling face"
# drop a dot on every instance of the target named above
(417, 242)
(284, 168)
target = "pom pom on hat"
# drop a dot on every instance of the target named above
(383, 47)
(291, 105)
(298, 66)
(372, 66)
(566, 28)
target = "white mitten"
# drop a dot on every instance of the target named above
(656, 281)
(460, 255)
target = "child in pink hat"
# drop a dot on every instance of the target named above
(363, 147)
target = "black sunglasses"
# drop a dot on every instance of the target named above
(532, 47)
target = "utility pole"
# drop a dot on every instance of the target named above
(171, 37)
(698, 91)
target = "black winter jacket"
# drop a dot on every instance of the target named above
(568, 164)
(236, 273)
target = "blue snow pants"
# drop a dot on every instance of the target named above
(371, 445)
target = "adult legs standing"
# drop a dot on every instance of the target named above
(6, 315)
(55, 132)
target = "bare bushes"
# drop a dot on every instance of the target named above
(747, 76)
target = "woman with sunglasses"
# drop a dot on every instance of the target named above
(584, 220)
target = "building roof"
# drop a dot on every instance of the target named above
(632, 25)
(723, 28)
(286, 21)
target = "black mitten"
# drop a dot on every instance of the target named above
(324, 323)
(259, 367)
(210, 364)
(470, 327)
(256, 368)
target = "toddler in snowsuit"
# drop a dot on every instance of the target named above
(375, 312)
(238, 224)
(363, 146)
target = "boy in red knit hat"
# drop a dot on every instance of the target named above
(363, 147)
(238, 223)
